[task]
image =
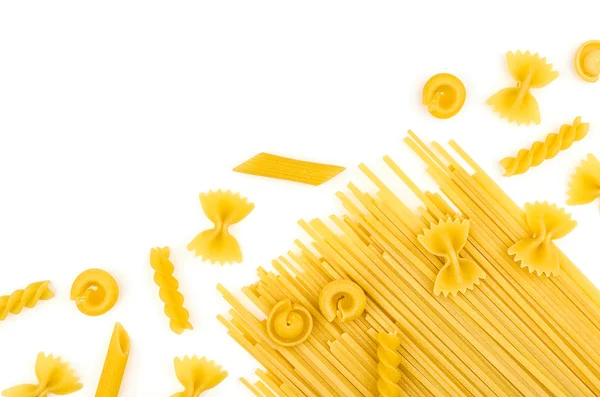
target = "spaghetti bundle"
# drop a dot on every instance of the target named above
(516, 333)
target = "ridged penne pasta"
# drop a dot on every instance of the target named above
(114, 364)
(272, 166)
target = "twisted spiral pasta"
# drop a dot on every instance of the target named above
(168, 292)
(28, 297)
(540, 151)
(389, 360)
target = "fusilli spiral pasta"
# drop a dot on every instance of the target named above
(28, 297)
(169, 293)
(540, 151)
(389, 361)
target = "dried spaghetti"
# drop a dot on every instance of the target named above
(515, 334)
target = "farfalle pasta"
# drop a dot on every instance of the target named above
(272, 166)
(217, 244)
(549, 148)
(343, 299)
(289, 324)
(584, 186)
(537, 252)
(28, 297)
(114, 363)
(169, 290)
(197, 375)
(95, 292)
(447, 239)
(516, 103)
(54, 377)
(388, 365)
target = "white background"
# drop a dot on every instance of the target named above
(115, 115)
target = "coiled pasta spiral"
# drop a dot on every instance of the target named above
(547, 149)
(168, 290)
(389, 360)
(289, 324)
(28, 297)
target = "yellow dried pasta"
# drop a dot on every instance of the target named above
(95, 292)
(515, 334)
(169, 290)
(54, 377)
(289, 324)
(272, 166)
(28, 297)
(389, 361)
(584, 186)
(549, 148)
(114, 364)
(197, 375)
(537, 253)
(447, 239)
(516, 103)
(343, 299)
(217, 244)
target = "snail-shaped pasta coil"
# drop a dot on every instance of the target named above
(447, 239)
(289, 324)
(444, 95)
(95, 292)
(54, 377)
(584, 186)
(223, 209)
(587, 61)
(342, 298)
(537, 253)
(197, 375)
(516, 103)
